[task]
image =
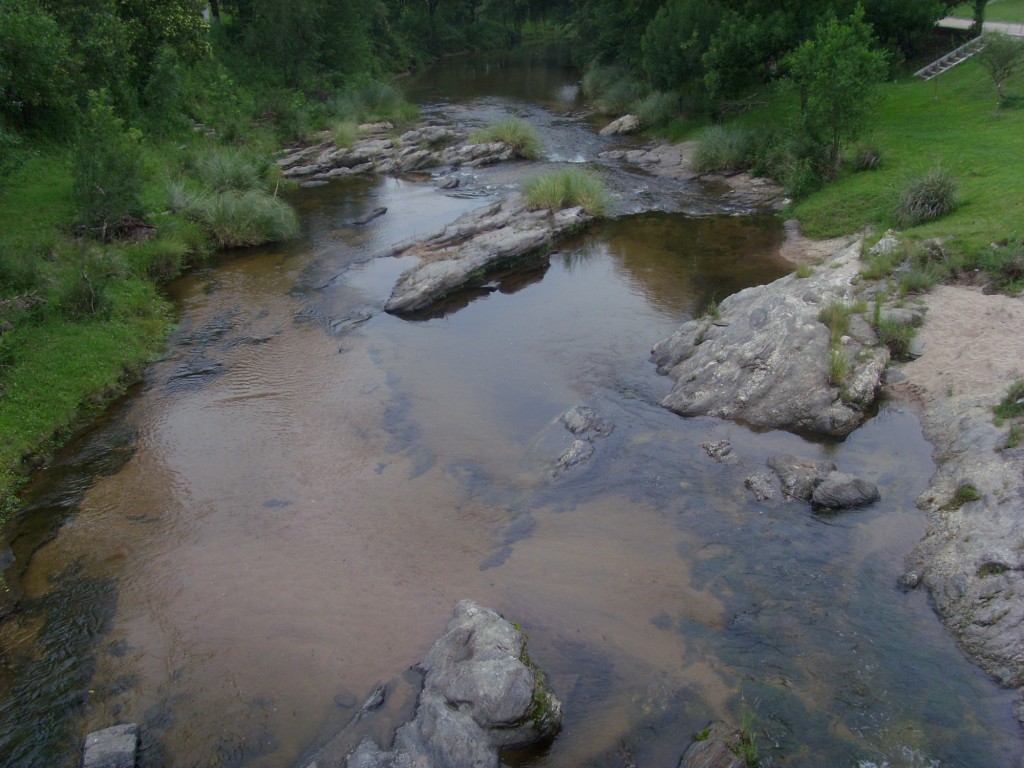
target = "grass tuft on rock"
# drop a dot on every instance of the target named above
(519, 135)
(566, 189)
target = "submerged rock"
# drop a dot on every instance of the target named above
(114, 747)
(762, 485)
(799, 476)
(481, 694)
(839, 490)
(769, 365)
(473, 245)
(717, 747)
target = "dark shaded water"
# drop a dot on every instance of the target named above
(284, 514)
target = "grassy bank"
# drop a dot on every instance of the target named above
(995, 10)
(950, 124)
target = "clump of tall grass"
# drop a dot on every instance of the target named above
(520, 136)
(657, 108)
(836, 317)
(723, 148)
(159, 258)
(565, 189)
(247, 218)
(232, 218)
(838, 367)
(227, 168)
(896, 336)
(344, 132)
(925, 198)
(866, 157)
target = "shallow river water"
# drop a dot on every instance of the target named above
(283, 514)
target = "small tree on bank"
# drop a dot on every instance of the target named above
(1001, 56)
(837, 73)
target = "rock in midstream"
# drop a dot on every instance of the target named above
(475, 244)
(480, 695)
(415, 150)
(764, 360)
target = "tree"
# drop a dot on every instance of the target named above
(1000, 56)
(979, 16)
(108, 169)
(676, 39)
(837, 73)
(34, 84)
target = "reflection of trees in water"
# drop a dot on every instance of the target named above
(679, 261)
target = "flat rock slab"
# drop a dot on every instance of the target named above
(115, 747)
(475, 244)
(764, 360)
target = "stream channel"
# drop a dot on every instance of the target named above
(284, 512)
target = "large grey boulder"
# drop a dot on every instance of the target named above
(481, 694)
(764, 359)
(839, 490)
(473, 245)
(114, 747)
(624, 125)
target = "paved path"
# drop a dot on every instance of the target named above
(955, 22)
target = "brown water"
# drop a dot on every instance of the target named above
(286, 511)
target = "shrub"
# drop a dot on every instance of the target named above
(925, 198)
(612, 89)
(519, 135)
(565, 189)
(723, 148)
(373, 102)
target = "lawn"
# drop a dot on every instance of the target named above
(996, 10)
(949, 122)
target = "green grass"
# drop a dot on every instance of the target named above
(996, 10)
(836, 316)
(565, 189)
(1012, 404)
(518, 135)
(964, 493)
(950, 122)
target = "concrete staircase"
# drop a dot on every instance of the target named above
(951, 59)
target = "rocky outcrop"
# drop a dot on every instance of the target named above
(475, 244)
(971, 558)
(481, 694)
(675, 161)
(415, 150)
(762, 358)
(624, 125)
(114, 747)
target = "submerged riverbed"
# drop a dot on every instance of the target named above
(284, 513)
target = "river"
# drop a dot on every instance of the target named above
(284, 512)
